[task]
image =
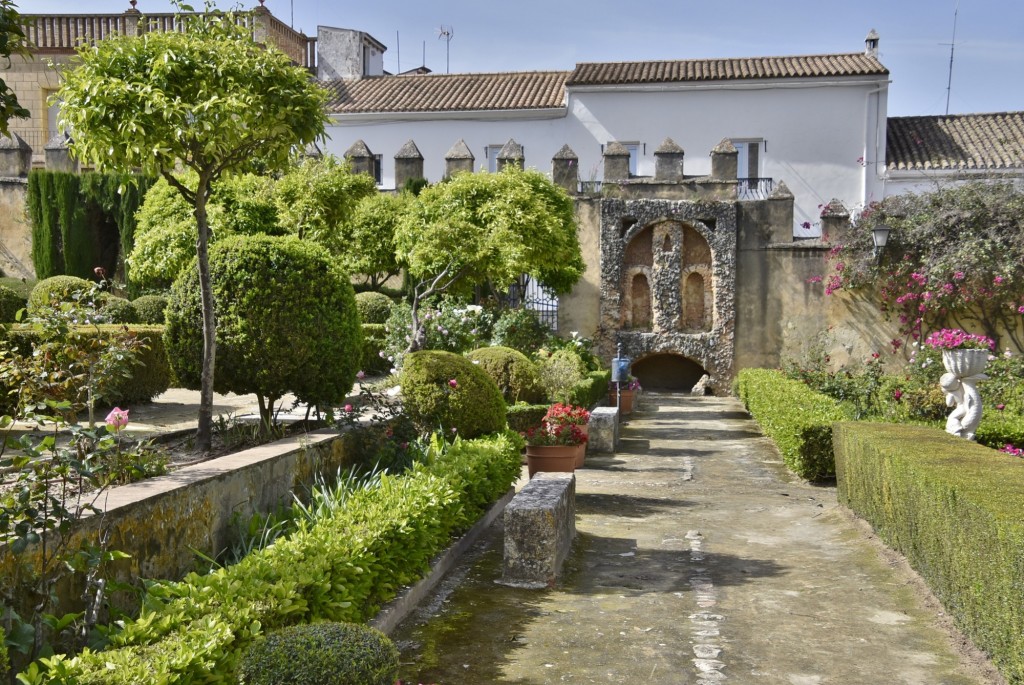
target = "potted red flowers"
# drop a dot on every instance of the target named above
(554, 447)
(568, 415)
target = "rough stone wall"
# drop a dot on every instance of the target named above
(15, 232)
(664, 224)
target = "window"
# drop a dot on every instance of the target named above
(492, 153)
(378, 169)
(748, 162)
(52, 112)
(634, 156)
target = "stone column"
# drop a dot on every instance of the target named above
(616, 162)
(58, 157)
(668, 162)
(15, 157)
(408, 164)
(835, 222)
(724, 161)
(260, 19)
(565, 170)
(360, 157)
(780, 214)
(458, 159)
(511, 153)
(131, 20)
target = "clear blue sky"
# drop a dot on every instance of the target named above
(988, 70)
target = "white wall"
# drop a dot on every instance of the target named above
(823, 137)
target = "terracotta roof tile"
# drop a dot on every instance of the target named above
(448, 92)
(956, 141)
(614, 73)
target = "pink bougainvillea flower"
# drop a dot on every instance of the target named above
(348, 408)
(453, 383)
(117, 419)
(360, 376)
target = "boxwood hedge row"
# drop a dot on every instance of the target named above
(953, 508)
(339, 569)
(797, 419)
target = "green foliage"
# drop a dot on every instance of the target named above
(11, 302)
(953, 509)
(321, 654)
(954, 255)
(1000, 428)
(447, 392)
(449, 326)
(58, 289)
(5, 661)
(561, 373)
(520, 329)
(150, 309)
(522, 417)
(286, 322)
(373, 307)
(115, 309)
(513, 372)
(12, 41)
(374, 337)
(797, 419)
(414, 186)
(591, 390)
(47, 259)
(369, 238)
(340, 568)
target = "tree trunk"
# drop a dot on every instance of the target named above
(204, 432)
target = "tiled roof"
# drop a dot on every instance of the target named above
(448, 92)
(613, 73)
(956, 141)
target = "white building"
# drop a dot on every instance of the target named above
(818, 122)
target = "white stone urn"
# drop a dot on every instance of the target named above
(964, 368)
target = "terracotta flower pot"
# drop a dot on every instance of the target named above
(552, 458)
(965, 363)
(627, 401)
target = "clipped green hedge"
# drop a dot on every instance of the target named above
(998, 429)
(374, 337)
(150, 376)
(591, 389)
(11, 302)
(446, 391)
(797, 419)
(373, 307)
(953, 508)
(342, 568)
(522, 417)
(512, 371)
(151, 309)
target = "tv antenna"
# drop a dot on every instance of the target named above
(952, 46)
(446, 33)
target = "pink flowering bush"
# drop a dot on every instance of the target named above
(956, 339)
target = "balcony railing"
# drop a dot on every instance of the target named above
(754, 188)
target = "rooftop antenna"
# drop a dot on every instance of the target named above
(446, 33)
(952, 46)
(398, 52)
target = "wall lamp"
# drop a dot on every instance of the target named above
(880, 237)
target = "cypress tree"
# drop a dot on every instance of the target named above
(43, 214)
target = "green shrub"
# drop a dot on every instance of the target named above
(953, 508)
(373, 307)
(151, 309)
(522, 417)
(5, 661)
(1000, 428)
(117, 309)
(321, 654)
(286, 322)
(521, 330)
(10, 304)
(560, 373)
(797, 419)
(57, 289)
(591, 389)
(513, 372)
(340, 568)
(446, 391)
(374, 337)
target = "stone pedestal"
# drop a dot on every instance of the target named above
(512, 153)
(668, 161)
(604, 430)
(565, 170)
(540, 524)
(724, 161)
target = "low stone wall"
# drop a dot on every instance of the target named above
(540, 524)
(604, 430)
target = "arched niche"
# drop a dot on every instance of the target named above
(695, 302)
(639, 299)
(667, 372)
(640, 250)
(696, 251)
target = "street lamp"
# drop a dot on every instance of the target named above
(880, 237)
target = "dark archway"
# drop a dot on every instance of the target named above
(668, 372)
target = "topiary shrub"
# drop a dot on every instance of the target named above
(151, 309)
(11, 303)
(591, 389)
(321, 654)
(115, 309)
(446, 391)
(286, 322)
(57, 289)
(523, 417)
(513, 372)
(373, 307)
(560, 374)
(521, 330)
(373, 359)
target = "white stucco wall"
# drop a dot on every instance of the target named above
(823, 137)
(899, 182)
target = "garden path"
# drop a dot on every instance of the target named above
(699, 559)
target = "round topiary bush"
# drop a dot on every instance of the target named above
(560, 372)
(150, 309)
(513, 372)
(321, 654)
(115, 309)
(286, 322)
(521, 330)
(446, 391)
(57, 289)
(373, 307)
(11, 302)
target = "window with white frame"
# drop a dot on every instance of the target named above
(634, 157)
(748, 161)
(492, 157)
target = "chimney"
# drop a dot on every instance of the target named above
(408, 164)
(871, 44)
(616, 162)
(511, 153)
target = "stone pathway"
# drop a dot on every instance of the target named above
(698, 560)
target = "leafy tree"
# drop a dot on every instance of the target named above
(318, 197)
(954, 256)
(483, 228)
(370, 238)
(12, 41)
(207, 98)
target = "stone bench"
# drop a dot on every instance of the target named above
(540, 523)
(604, 430)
